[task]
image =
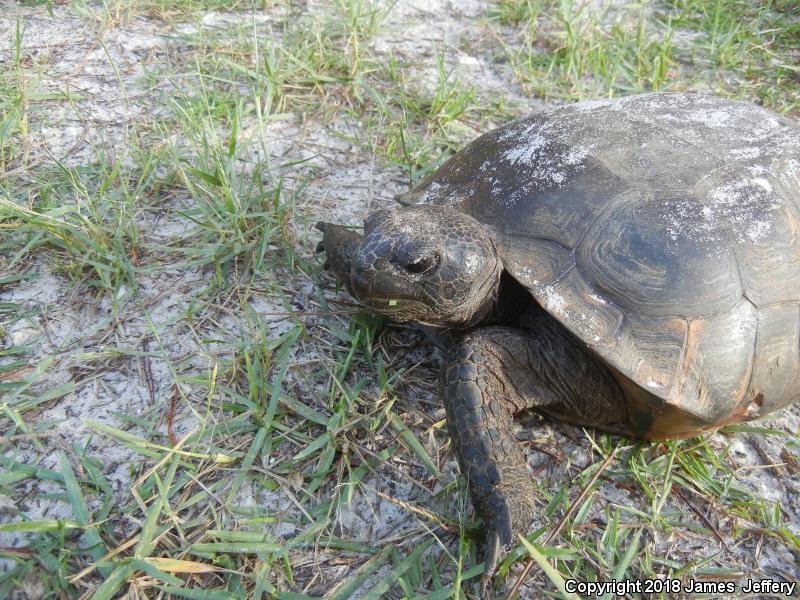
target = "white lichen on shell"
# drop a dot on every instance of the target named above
(745, 207)
(553, 300)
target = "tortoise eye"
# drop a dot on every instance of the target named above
(421, 265)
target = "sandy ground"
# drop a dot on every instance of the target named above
(107, 89)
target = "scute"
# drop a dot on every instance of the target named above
(653, 351)
(535, 263)
(561, 214)
(647, 255)
(656, 158)
(762, 226)
(664, 231)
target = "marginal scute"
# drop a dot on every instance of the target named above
(581, 309)
(652, 350)
(718, 362)
(776, 377)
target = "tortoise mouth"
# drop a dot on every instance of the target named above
(386, 296)
(399, 308)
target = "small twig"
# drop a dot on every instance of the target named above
(306, 313)
(581, 497)
(578, 501)
(173, 407)
(585, 526)
(790, 461)
(700, 515)
(617, 484)
(110, 554)
(147, 372)
(13, 374)
(420, 511)
(21, 552)
(98, 336)
(25, 437)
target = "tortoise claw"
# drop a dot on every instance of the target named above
(498, 541)
(491, 553)
(321, 226)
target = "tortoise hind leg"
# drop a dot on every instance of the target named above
(491, 374)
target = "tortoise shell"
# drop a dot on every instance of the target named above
(662, 230)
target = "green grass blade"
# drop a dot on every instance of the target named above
(149, 532)
(411, 442)
(622, 567)
(247, 462)
(181, 592)
(97, 548)
(114, 582)
(39, 526)
(362, 574)
(404, 565)
(551, 572)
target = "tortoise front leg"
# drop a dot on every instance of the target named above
(480, 400)
(493, 373)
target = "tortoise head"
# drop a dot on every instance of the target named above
(425, 264)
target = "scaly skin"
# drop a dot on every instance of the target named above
(478, 398)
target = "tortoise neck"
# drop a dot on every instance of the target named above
(509, 302)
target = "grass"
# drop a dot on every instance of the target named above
(193, 412)
(415, 129)
(571, 50)
(88, 219)
(14, 98)
(758, 43)
(567, 50)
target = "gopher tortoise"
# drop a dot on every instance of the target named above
(631, 264)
